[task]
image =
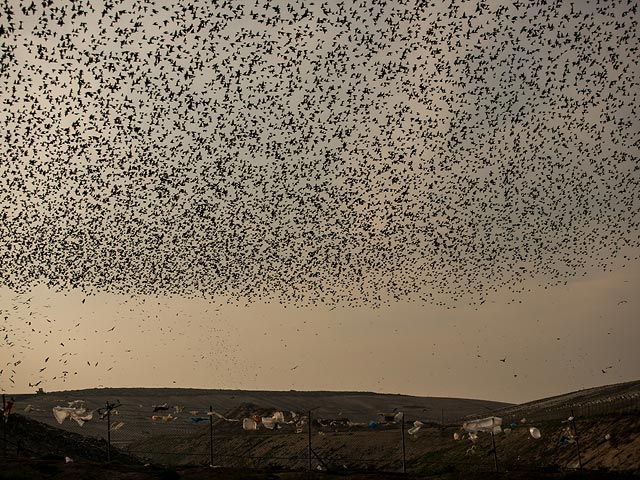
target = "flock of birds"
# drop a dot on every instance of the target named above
(336, 153)
(316, 153)
(57, 344)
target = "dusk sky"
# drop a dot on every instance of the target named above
(429, 198)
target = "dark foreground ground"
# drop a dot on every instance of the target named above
(57, 469)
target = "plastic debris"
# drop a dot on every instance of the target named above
(269, 422)
(249, 424)
(7, 409)
(79, 415)
(489, 424)
(165, 418)
(117, 426)
(417, 425)
(535, 433)
(198, 419)
(300, 425)
(67, 460)
(222, 417)
(273, 421)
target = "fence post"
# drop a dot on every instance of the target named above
(575, 434)
(108, 432)
(495, 454)
(309, 440)
(404, 457)
(211, 435)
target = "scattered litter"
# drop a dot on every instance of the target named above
(417, 425)
(222, 417)
(117, 426)
(165, 418)
(198, 419)
(273, 421)
(535, 433)
(489, 424)
(79, 415)
(456, 436)
(67, 460)
(7, 409)
(249, 424)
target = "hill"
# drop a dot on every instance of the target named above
(618, 398)
(607, 441)
(136, 408)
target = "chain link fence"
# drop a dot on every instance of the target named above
(174, 435)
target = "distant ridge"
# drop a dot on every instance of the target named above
(358, 406)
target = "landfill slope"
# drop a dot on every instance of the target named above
(29, 438)
(432, 450)
(136, 409)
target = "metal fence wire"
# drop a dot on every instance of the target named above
(173, 436)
